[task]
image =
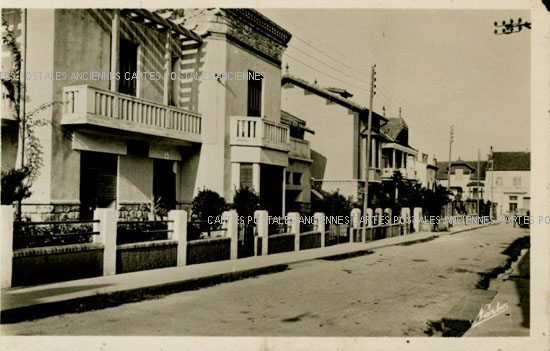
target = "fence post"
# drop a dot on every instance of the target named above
(355, 223)
(262, 227)
(417, 215)
(389, 230)
(6, 244)
(369, 224)
(107, 228)
(232, 232)
(294, 218)
(404, 214)
(320, 225)
(179, 234)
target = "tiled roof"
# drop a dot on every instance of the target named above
(442, 168)
(512, 161)
(394, 127)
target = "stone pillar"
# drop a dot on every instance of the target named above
(378, 212)
(417, 212)
(235, 177)
(355, 217)
(232, 232)
(369, 225)
(261, 226)
(6, 245)
(167, 67)
(294, 218)
(389, 222)
(179, 234)
(320, 225)
(115, 49)
(256, 177)
(107, 228)
(405, 213)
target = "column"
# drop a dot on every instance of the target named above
(167, 66)
(369, 224)
(320, 225)
(373, 153)
(235, 177)
(294, 218)
(179, 234)
(393, 165)
(6, 245)
(232, 232)
(107, 228)
(115, 49)
(284, 191)
(355, 216)
(417, 213)
(261, 226)
(256, 177)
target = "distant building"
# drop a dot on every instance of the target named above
(338, 147)
(467, 181)
(508, 181)
(426, 171)
(397, 154)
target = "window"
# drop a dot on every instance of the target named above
(98, 181)
(254, 95)
(287, 177)
(128, 67)
(499, 181)
(246, 175)
(297, 178)
(517, 181)
(513, 198)
(513, 206)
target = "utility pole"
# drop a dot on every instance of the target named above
(367, 148)
(492, 182)
(451, 139)
(478, 183)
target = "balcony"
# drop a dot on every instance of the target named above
(387, 173)
(256, 131)
(86, 105)
(299, 149)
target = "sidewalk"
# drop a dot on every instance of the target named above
(39, 301)
(514, 292)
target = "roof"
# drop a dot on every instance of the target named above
(291, 120)
(443, 168)
(512, 161)
(394, 127)
(327, 94)
(343, 92)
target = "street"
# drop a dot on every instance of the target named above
(403, 290)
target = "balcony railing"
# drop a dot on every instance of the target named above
(299, 148)
(256, 131)
(387, 172)
(89, 105)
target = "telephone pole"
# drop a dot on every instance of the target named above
(367, 148)
(451, 139)
(478, 183)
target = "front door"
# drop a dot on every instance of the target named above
(98, 179)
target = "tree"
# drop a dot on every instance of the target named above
(246, 202)
(207, 204)
(16, 183)
(333, 204)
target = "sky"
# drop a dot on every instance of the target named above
(442, 67)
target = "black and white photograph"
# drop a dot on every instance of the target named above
(326, 177)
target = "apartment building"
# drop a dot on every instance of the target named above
(133, 144)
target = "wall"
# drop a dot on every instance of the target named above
(145, 256)
(56, 263)
(332, 160)
(208, 250)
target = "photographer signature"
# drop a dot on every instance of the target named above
(487, 313)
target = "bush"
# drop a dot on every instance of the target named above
(13, 185)
(26, 236)
(207, 203)
(246, 201)
(333, 204)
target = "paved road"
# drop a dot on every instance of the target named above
(394, 291)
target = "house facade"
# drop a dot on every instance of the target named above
(467, 180)
(397, 154)
(338, 147)
(121, 134)
(508, 181)
(426, 171)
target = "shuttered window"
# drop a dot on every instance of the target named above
(254, 96)
(246, 175)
